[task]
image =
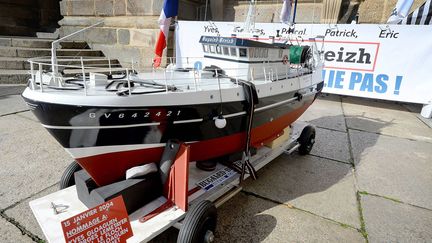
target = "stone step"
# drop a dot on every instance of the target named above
(39, 52)
(39, 43)
(15, 52)
(14, 76)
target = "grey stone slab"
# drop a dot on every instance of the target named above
(24, 216)
(81, 7)
(13, 78)
(8, 52)
(393, 167)
(104, 7)
(144, 37)
(10, 233)
(103, 35)
(388, 221)
(331, 144)
(382, 117)
(11, 89)
(31, 42)
(5, 42)
(63, 8)
(123, 36)
(119, 7)
(137, 7)
(31, 159)
(249, 219)
(124, 54)
(320, 186)
(28, 115)
(326, 112)
(12, 104)
(11, 64)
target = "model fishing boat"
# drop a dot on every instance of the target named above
(110, 123)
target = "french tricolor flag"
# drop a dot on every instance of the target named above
(169, 10)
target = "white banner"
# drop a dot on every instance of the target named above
(374, 61)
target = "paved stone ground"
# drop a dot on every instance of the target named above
(368, 178)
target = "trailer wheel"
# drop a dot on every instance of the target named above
(199, 224)
(68, 178)
(306, 140)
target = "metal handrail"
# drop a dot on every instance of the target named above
(269, 72)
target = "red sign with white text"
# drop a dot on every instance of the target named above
(105, 223)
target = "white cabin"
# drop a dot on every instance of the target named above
(245, 58)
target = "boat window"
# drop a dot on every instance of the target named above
(225, 51)
(212, 49)
(251, 52)
(259, 54)
(233, 51)
(218, 50)
(205, 48)
(266, 51)
(243, 52)
(280, 53)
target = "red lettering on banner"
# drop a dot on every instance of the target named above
(105, 223)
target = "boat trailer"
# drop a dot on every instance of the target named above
(190, 201)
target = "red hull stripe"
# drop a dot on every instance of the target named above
(111, 167)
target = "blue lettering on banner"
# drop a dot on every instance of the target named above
(339, 79)
(356, 78)
(362, 82)
(381, 80)
(367, 83)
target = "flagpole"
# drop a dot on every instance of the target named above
(295, 11)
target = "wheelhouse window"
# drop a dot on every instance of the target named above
(258, 53)
(205, 48)
(218, 50)
(225, 51)
(212, 49)
(233, 51)
(243, 52)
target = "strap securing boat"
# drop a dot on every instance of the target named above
(251, 97)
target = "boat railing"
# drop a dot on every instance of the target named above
(79, 70)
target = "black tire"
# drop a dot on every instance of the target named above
(306, 140)
(68, 178)
(200, 219)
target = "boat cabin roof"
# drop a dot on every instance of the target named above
(233, 41)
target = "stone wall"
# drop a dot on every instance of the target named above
(378, 11)
(129, 30)
(268, 11)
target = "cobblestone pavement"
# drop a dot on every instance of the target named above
(368, 178)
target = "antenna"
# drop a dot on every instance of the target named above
(295, 12)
